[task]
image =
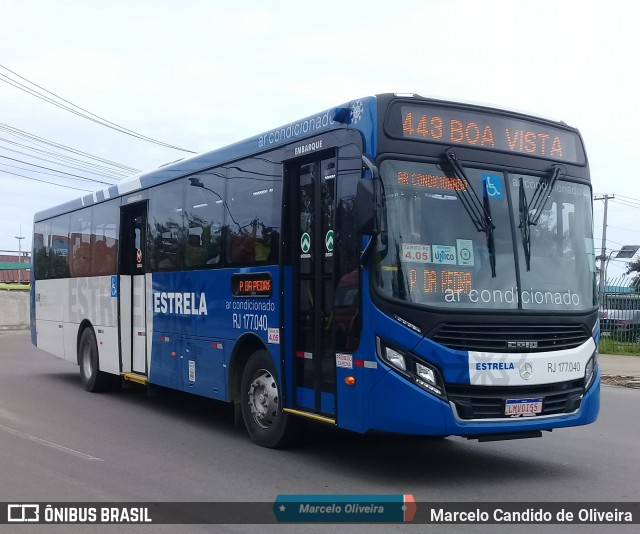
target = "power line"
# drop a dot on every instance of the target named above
(86, 115)
(97, 173)
(630, 198)
(47, 182)
(631, 202)
(609, 240)
(74, 176)
(625, 229)
(16, 132)
(629, 205)
(88, 165)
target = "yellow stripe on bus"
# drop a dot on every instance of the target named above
(310, 416)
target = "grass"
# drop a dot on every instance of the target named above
(611, 346)
(12, 286)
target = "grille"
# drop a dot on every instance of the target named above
(482, 402)
(496, 338)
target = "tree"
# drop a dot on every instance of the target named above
(634, 267)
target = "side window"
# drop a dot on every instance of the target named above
(104, 239)
(41, 233)
(59, 251)
(347, 252)
(204, 220)
(80, 241)
(166, 227)
(254, 204)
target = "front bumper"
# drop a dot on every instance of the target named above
(399, 406)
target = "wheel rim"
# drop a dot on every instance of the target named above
(263, 398)
(87, 364)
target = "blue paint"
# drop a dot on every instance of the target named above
(327, 402)
(195, 335)
(306, 397)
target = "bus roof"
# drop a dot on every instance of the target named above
(360, 114)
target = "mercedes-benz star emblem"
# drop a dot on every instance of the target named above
(526, 370)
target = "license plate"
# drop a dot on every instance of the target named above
(522, 407)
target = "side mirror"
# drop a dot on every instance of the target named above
(366, 206)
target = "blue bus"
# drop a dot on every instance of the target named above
(396, 264)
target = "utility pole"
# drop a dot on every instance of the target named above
(19, 237)
(603, 252)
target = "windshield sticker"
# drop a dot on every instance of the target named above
(465, 252)
(510, 296)
(563, 188)
(492, 186)
(416, 253)
(444, 254)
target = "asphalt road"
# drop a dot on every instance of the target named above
(59, 443)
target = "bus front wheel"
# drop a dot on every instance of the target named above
(92, 378)
(261, 402)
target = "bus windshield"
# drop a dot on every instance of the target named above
(435, 254)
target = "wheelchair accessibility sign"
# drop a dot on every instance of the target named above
(492, 186)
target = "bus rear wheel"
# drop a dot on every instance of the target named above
(92, 378)
(261, 403)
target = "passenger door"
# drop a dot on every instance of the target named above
(312, 250)
(133, 319)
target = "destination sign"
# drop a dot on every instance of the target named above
(478, 129)
(251, 285)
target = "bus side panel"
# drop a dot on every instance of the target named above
(355, 403)
(91, 299)
(125, 322)
(204, 368)
(51, 296)
(32, 308)
(196, 322)
(189, 364)
(287, 339)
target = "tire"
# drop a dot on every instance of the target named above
(93, 380)
(261, 403)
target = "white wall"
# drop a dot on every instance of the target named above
(14, 309)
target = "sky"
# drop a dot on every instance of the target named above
(203, 74)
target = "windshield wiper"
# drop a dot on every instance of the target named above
(479, 212)
(467, 195)
(530, 213)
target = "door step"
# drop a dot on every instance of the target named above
(310, 416)
(135, 377)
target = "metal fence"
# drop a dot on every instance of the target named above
(620, 315)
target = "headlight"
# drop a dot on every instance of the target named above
(590, 370)
(428, 378)
(420, 372)
(395, 358)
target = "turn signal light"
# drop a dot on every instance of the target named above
(350, 381)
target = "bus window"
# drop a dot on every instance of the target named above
(254, 201)
(80, 238)
(59, 251)
(42, 231)
(104, 236)
(166, 227)
(204, 214)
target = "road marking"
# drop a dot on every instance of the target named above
(51, 444)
